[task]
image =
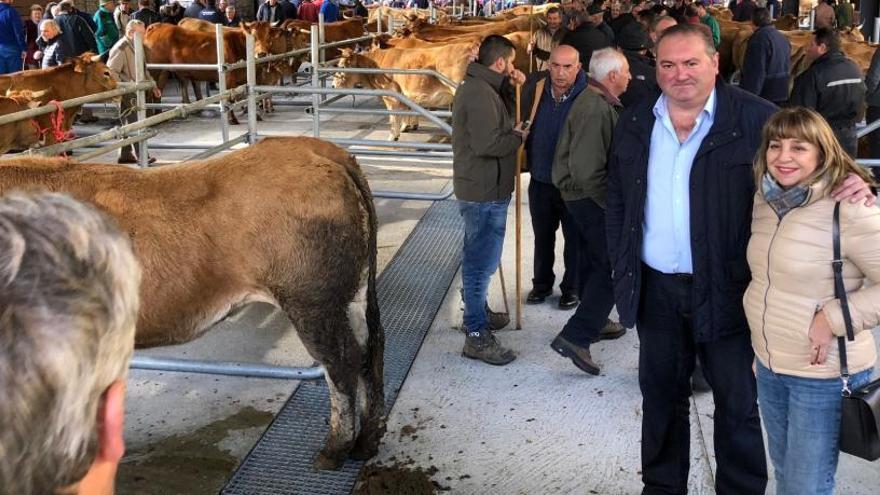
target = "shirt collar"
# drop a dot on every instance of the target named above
(661, 110)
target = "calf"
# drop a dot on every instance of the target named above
(83, 75)
(289, 221)
(24, 133)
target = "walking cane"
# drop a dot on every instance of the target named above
(503, 288)
(518, 196)
(531, 33)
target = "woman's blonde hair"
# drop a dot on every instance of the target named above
(807, 125)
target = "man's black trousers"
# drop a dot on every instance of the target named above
(548, 211)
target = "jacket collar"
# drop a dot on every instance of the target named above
(725, 127)
(580, 82)
(827, 58)
(480, 71)
(604, 93)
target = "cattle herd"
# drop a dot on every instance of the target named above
(266, 224)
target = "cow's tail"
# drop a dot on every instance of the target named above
(376, 339)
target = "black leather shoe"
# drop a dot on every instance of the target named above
(568, 301)
(612, 330)
(580, 356)
(537, 296)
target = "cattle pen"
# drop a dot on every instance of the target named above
(539, 426)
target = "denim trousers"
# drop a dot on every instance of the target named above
(484, 226)
(802, 418)
(548, 211)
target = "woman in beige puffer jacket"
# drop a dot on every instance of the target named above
(790, 305)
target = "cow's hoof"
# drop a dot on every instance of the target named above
(259, 118)
(365, 448)
(414, 128)
(324, 462)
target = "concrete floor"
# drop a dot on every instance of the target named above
(536, 426)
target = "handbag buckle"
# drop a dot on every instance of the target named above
(845, 391)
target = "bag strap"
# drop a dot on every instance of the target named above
(539, 92)
(840, 294)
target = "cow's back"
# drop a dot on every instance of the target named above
(282, 214)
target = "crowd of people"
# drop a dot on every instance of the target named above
(682, 201)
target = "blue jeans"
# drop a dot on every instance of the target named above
(802, 417)
(484, 226)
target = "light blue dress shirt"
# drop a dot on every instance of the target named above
(667, 230)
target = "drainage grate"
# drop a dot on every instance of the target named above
(410, 289)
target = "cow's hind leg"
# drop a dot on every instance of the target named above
(363, 314)
(329, 338)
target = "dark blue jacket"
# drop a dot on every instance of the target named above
(211, 15)
(12, 40)
(86, 17)
(721, 190)
(545, 130)
(767, 65)
(330, 11)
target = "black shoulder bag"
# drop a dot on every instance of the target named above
(860, 409)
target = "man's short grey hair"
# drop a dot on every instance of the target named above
(606, 61)
(68, 307)
(65, 6)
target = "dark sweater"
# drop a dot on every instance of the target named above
(544, 133)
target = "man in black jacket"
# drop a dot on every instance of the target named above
(678, 219)
(484, 145)
(210, 13)
(633, 41)
(145, 14)
(584, 36)
(833, 86)
(678, 215)
(767, 63)
(289, 8)
(194, 8)
(872, 99)
(76, 33)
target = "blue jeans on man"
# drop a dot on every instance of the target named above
(802, 418)
(484, 227)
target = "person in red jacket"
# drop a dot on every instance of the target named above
(308, 11)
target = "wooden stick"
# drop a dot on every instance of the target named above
(519, 163)
(503, 287)
(531, 33)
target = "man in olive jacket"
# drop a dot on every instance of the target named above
(484, 145)
(580, 174)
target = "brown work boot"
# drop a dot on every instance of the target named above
(484, 347)
(612, 330)
(497, 321)
(580, 356)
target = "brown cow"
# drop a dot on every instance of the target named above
(333, 32)
(170, 44)
(451, 60)
(81, 76)
(428, 32)
(289, 221)
(24, 133)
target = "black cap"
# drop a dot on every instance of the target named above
(633, 37)
(597, 7)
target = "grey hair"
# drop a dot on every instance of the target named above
(68, 308)
(133, 24)
(605, 61)
(47, 22)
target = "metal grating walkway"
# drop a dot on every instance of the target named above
(410, 290)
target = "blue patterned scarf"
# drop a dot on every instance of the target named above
(783, 200)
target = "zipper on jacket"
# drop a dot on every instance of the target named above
(766, 293)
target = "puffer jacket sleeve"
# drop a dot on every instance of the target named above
(860, 245)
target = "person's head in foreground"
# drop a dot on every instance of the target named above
(68, 307)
